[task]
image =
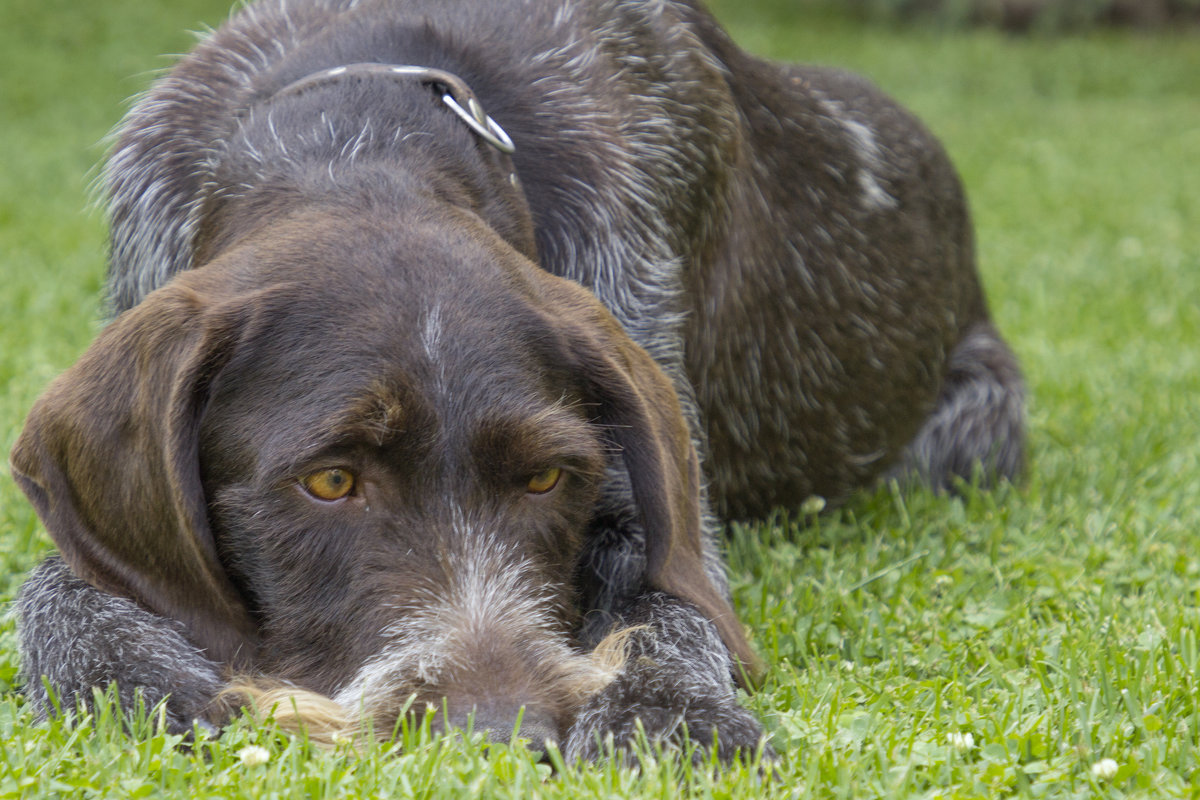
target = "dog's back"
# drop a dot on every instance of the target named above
(839, 297)
(786, 240)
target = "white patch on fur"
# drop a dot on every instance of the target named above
(870, 163)
(432, 328)
(870, 157)
(431, 332)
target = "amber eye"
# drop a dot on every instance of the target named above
(544, 481)
(329, 484)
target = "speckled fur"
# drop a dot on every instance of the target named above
(791, 247)
(675, 683)
(75, 638)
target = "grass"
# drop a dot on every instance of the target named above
(1001, 643)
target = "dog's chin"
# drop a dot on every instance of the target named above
(329, 722)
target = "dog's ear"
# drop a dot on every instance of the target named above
(109, 459)
(641, 415)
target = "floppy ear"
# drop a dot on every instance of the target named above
(641, 414)
(109, 458)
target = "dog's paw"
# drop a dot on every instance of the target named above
(670, 709)
(76, 640)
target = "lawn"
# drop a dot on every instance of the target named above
(1039, 640)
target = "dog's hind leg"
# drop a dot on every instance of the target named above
(72, 637)
(978, 421)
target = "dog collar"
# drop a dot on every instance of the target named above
(453, 90)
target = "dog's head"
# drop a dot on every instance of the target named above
(364, 457)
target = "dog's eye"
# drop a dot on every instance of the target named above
(544, 481)
(329, 484)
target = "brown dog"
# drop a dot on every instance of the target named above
(361, 428)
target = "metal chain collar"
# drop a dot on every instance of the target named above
(453, 90)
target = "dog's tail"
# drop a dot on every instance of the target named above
(977, 429)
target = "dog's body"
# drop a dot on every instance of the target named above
(325, 275)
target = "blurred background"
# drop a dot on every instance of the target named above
(1021, 16)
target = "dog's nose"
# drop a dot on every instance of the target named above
(499, 722)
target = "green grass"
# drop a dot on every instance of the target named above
(1056, 623)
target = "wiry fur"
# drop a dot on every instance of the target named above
(977, 422)
(673, 684)
(107, 640)
(791, 248)
(491, 610)
(350, 716)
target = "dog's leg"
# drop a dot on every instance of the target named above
(677, 672)
(75, 637)
(677, 677)
(977, 422)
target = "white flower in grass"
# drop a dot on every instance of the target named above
(815, 504)
(1105, 769)
(253, 755)
(962, 741)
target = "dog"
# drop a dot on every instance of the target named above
(445, 337)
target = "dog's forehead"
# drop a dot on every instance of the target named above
(405, 286)
(360, 338)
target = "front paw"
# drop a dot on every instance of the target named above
(671, 708)
(75, 640)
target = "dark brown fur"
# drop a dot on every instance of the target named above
(691, 252)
